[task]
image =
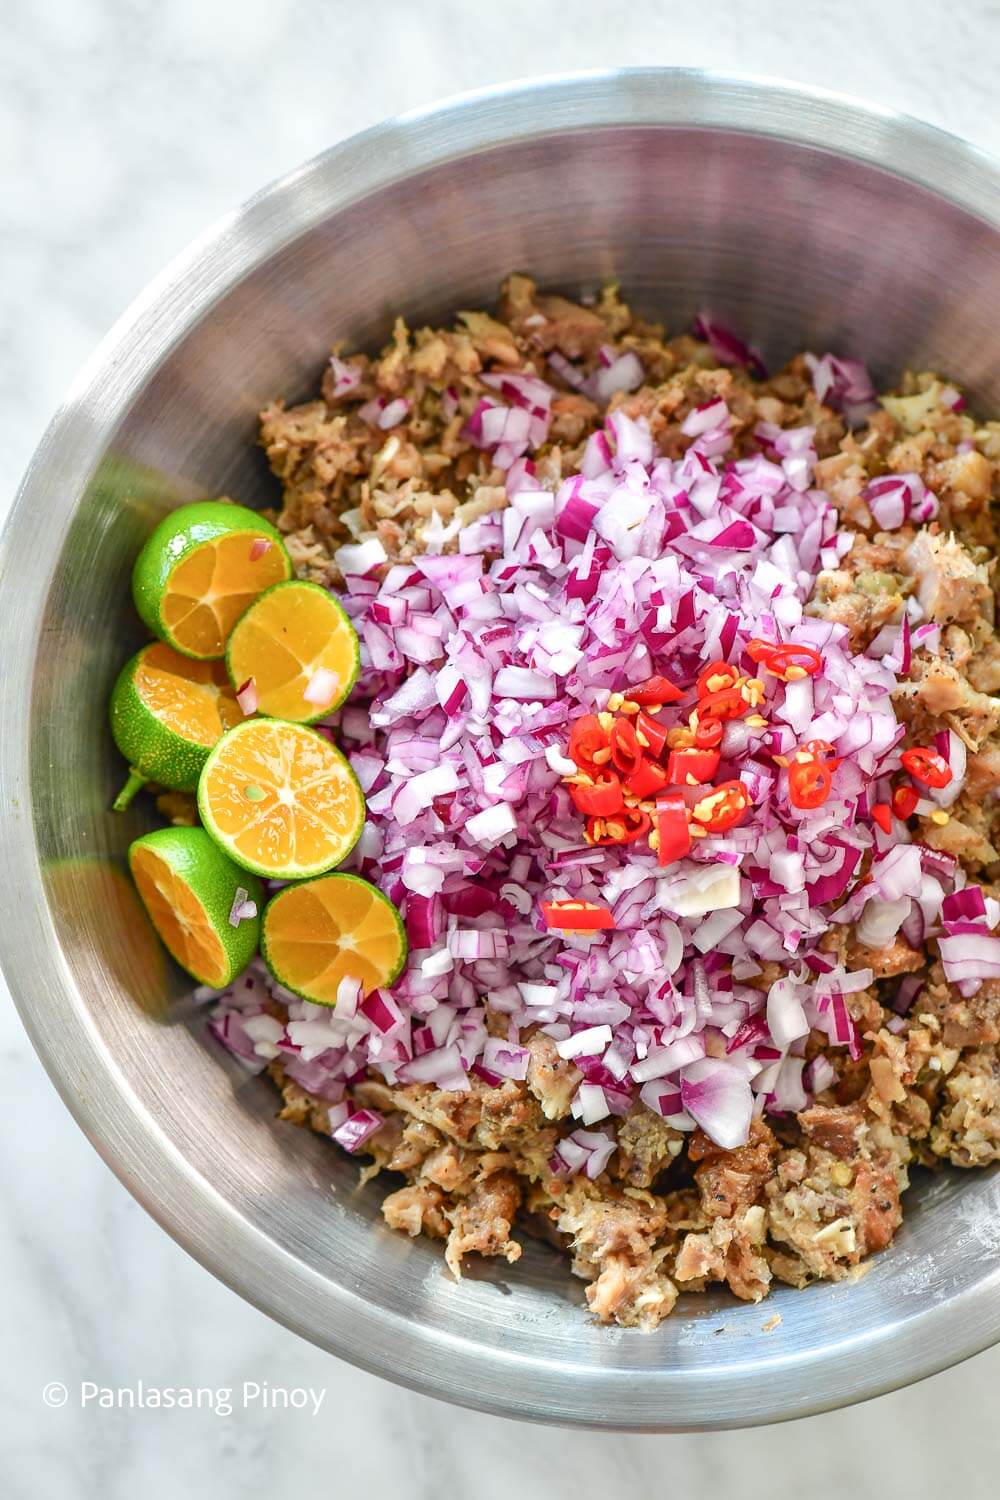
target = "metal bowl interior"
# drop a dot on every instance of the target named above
(807, 221)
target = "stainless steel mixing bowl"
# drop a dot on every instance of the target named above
(808, 221)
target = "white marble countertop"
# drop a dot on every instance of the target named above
(125, 127)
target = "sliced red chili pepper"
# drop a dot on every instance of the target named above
(673, 828)
(882, 815)
(818, 749)
(717, 676)
(788, 658)
(624, 828)
(927, 766)
(654, 690)
(647, 779)
(708, 733)
(904, 802)
(577, 916)
(727, 704)
(626, 752)
(588, 739)
(809, 783)
(692, 767)
(759, 650)
(723, 807)
(602, 799)
(652, 731)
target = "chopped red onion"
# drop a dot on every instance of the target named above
(586, 1151)
(702, 419)
(424, 919)
(242, 909)
(896, 498)
(394, 413)
(622, 374)
(881, 920)
(505, 1059)
(910, 987)
(247, 697)
(590, 1103)
(476, 944)
(321, 687)
(476, 662)
(362, 559)
(587, 1043)
(819, 1075)
(346, 377)
(843, 384)
(492, 825)
(953, 748)
(786, 1017)
(228, 1026)
(717, 1095)
(357, 1129)
(728, 347)
(969, 956)
(566, 370)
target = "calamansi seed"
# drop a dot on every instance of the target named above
(253, 793)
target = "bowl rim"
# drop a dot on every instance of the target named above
(125, 1134)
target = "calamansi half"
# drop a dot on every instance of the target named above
(320, 932)
(167, 711)
(200, 569)
(300, 649)
(189, 887)
(280, 799)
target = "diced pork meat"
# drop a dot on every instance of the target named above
(482, 1221)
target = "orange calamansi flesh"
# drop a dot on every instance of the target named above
(193, 698)
(210, 588)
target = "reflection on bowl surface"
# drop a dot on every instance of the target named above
(806, 221)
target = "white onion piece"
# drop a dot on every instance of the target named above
(321, 687)
(881, 920)
(587, 1043)
(717, 1095)
(786, 1018)
(710, 888)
